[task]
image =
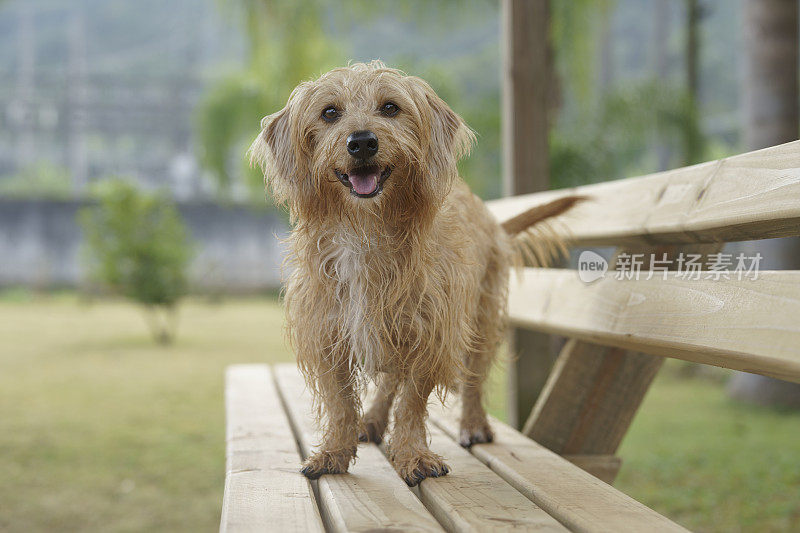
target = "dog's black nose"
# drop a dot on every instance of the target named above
(362, 144)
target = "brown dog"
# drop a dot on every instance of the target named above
(399, 272)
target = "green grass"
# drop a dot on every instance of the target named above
(710, 463)
(101, 430)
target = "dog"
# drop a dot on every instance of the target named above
(399, 274)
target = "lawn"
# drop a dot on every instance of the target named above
(100, 430)
(712, 464)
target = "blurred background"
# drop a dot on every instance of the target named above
(139, 254)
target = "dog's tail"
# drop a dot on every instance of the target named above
(535, 239)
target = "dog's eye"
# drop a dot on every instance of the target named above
(389, 109)
(330, 113)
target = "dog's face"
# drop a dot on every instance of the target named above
(361, 138)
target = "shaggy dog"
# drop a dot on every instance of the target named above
(400, 273)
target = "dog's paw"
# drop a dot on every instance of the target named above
(324, 462)
(416, 467)
(373, 431)
(477, 433)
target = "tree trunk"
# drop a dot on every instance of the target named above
(694, 143)
(661, 32)
(770, 72)
(771, 117)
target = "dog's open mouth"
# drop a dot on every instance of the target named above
(364, 182)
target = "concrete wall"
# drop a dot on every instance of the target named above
(236, 248)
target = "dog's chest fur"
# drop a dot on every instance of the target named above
(359, 288)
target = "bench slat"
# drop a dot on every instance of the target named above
(748, 325)
(262, 486)
(590, 399)
(473, 498)
(372, 496)
(575, 498)
(750, 196)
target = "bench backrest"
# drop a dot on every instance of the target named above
(740, 322)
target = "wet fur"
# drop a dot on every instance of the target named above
(407, 288)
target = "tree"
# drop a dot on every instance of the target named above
(137, 246)
(292, 41)
(285, 46)
(693, 140)
(771, 117)
(606, 131)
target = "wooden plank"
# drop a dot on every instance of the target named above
(371, 496)
(594, 392)
(578, 500)
(749, 325)
(750, 196)
(603, 467)
(527, 72)
(532, 357)
(473, 498)
(263, 488)
(590, 398)
(526, 84)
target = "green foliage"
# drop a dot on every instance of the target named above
(478, 106)
(40, 180)
(574, 30)
(629, 130)
(596, 136)
(623, 136)
(285, 47)
(289, 42)
(138, 247)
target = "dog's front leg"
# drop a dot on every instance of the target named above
(409, 451)
(376, 418)
(340, 405)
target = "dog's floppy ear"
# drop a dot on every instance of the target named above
(449, 137)
(273, 151)
(448, 129)
(277, 149)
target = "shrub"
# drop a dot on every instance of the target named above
(138, 247)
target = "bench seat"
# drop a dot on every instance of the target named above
(510, 484)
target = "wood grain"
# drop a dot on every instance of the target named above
(532, 354)
(473, 498)
(525, 106)
(594, 391)
(748, 325)
(528, 82)
(603, 467)
(263, 488)
(371, 496)
(578, 500)
(590, 398)
(750, 196)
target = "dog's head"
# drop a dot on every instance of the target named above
(363, 137)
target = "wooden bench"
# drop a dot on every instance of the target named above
(510, 484)
(539, 479)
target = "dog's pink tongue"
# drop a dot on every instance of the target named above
(365, 183)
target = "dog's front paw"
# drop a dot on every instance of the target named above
(324, 462)
(373, 431)
(475, 433)
(415, 467)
